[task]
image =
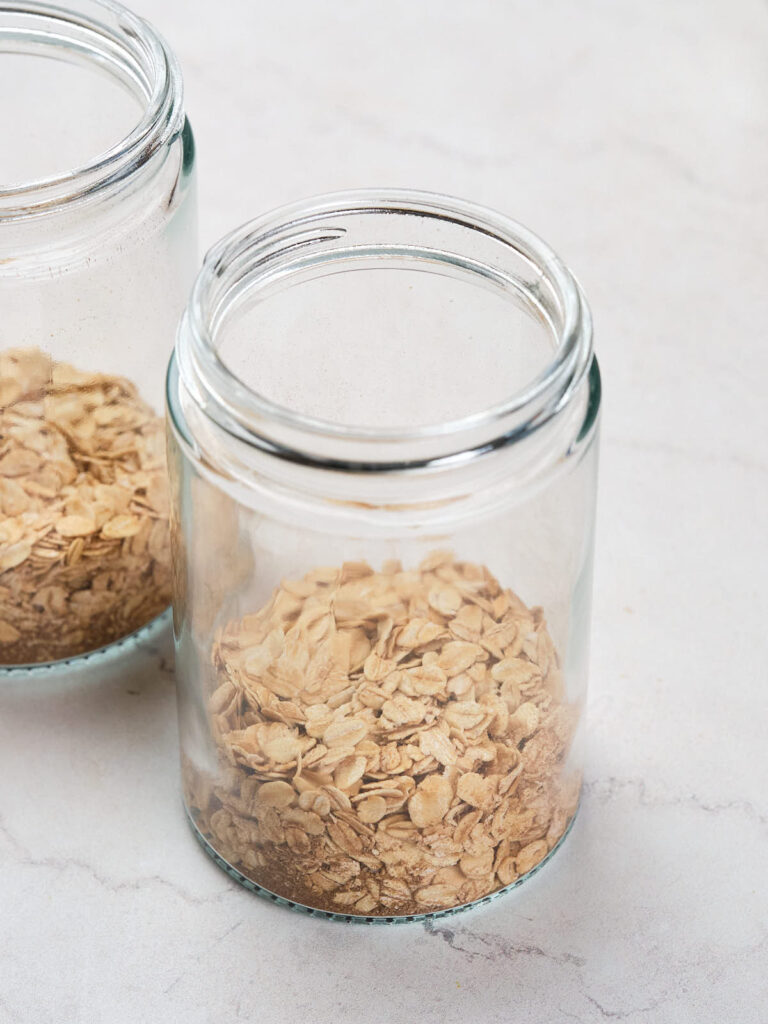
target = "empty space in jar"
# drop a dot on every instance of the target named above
(62, 115)
(383, 346)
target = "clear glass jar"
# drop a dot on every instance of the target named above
(383, 414)
(97, 254)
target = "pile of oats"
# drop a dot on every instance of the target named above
(84, 554)
(389, 742)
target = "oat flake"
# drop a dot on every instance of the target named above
(389, 742)
(84, 556)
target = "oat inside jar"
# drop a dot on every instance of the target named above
(389, 743)
(84, 556)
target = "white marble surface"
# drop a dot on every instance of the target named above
(633, 137)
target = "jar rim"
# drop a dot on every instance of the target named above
(123, 44)
(247, 255)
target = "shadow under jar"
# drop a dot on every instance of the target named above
(383, 412)
(97, 253)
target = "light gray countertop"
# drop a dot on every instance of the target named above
(633, 137)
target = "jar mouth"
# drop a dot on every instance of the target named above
(315, 234)
(105, 35)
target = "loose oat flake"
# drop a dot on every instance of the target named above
(84, 556)
(389, 742)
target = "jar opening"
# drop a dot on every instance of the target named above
(358, 327)
(96, 93)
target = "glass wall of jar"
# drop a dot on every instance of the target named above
(383, 415)
(97, 254)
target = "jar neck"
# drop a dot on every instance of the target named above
(109, 37)
(427, 501)
(374, 228)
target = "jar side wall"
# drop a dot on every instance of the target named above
(110, 295)
(84, 339)
(229, 560)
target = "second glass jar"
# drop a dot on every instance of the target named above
(97, 254)
(383, 415)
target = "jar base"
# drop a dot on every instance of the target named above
(301, 908)
(100, 656)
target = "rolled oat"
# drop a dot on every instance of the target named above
(84, 554)
(389, 742)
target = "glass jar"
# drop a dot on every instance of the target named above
(97, 253)
(383, 411)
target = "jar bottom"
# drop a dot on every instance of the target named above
(100, 656)
(301, 908)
